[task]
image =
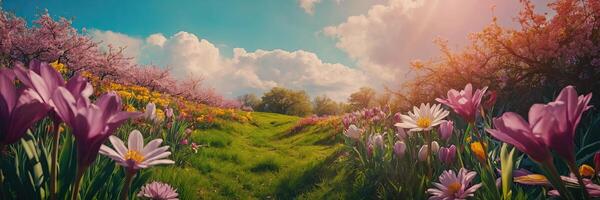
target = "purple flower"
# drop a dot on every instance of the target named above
(135, 155)
(19, 108)
(447, 155)
(169, 112)
(399, 148)
(91, 124)
(446, 129)
(453, 186)
(567, 110)
(45, 80)
(158, 191)
(465, 103)
(527, 137)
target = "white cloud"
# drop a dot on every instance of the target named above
(133, 45)
(246, 72)
(385, 39)
(308, 5)
(157, 39)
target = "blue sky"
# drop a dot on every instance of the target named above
(255, 24)
(326, 47)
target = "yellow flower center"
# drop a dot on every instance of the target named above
(135, 156)
(454, 187)
(586, 170)
(424, 122)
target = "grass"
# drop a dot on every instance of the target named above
(256, 161)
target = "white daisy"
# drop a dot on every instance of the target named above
(136, 155)
(424, 118)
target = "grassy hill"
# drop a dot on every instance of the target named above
(260, 160)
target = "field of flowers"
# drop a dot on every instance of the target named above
(425, 153)
(54, 128)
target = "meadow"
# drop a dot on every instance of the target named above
(512, 116)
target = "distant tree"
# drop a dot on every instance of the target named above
(363, 98)
(249, 100)
(323, 105)
(286, 101)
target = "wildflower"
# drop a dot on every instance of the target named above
(184, 142)
(353, 132)
(158, 191)
(423, 153)
(435, 147)
(446, 129)
(452, 186)
(399, 149)
(136, 156)
(150, 112)
(169, 112)
(91, 124)
(376, 140)
(567, 110)
(586, 170)
(465, 103)
(479, 150)
(513, 129)
(447, 155)
(19, 109)
(424, 118)
(195, 147)
(45, 80)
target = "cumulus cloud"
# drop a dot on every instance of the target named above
(132, 45)
(385, 39)
(245, 72)
(308, 5)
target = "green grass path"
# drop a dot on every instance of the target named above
(261, 160)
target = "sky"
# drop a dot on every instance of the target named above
(326, 47)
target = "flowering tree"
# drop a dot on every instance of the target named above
(49, 40)
(547, 52)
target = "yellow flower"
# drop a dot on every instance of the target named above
(59, 67)
(129, 108)
(586, 170)
(160, 115)
(479, 150)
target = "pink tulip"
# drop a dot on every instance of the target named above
(527, 137)
(567, 109)
(91, 124)
(447, 155)
(465, 103)
(399, 149)
(19, 109)
(44, 80)
(446, 129)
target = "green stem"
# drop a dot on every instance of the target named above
(77, 184)
(54, 160)
(556, 180)
(574, 170)
(429, 155)
(127, 185)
